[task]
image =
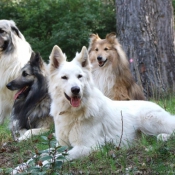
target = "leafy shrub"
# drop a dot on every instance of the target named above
(66, 23)
(45, 162)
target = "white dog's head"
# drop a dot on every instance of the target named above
(9, 33)
(68, 80)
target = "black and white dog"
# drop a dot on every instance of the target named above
(30, 113)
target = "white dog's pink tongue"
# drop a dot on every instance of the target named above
(75, 102)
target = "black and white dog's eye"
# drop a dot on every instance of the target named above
(24, 73)
(79, 76)
(64, 77)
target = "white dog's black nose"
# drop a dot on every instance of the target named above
(75, 90)
(99, 58)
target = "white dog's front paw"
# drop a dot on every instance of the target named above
(163, 137)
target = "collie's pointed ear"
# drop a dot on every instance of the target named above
(111, 37)
(121, 53)
(93, 38)
(83, 58)
(56, 58)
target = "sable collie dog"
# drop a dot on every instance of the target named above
(110, 69)
(85, 118)
(15, 52)
(30, 112)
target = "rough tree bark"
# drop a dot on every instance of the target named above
(145, 28)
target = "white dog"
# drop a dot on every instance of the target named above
(84, 118)
(14, 53)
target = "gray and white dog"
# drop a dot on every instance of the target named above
(15, 52)
(31, 108)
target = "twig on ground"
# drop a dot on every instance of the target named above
(121, 133)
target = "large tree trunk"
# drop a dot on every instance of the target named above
(145, 28)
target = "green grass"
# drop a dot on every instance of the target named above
(5, 134)
(159, 158)
(13, 153)
(145, 156)
(167, 103)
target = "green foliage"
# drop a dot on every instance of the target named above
(45, 162)
(66, 23)
(173, 2)
(54, 157)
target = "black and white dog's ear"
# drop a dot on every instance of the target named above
(83, 58)
(36, 60)
(56, 58)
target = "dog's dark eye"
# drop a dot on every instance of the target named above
(96, 49)
(79, 76)
(24, 74)
(106, 48)
(1, 31)
(64, 77)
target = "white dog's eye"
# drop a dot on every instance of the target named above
(96, 49)
(106, 48)
(79, 76)
(64, 77)
(2, 31)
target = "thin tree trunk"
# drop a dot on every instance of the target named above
(145, 28)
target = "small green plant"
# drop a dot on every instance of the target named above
(45, 162)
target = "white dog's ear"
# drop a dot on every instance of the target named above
(56, 58)
(16, 31)
(83, 58)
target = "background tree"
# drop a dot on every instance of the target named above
(66, 23)
(146, 31)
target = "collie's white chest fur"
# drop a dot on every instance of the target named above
(104, 79)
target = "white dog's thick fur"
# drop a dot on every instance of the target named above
(84, 118)
(14, 53)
